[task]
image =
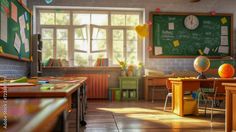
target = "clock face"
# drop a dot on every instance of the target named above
(191, 22)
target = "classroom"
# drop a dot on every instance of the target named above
(117, 66)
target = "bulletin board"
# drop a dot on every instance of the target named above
(15, 33)
(184, 35)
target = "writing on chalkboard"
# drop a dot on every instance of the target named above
(212, 37)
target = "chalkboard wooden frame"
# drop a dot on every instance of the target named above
(152, 14)
(10, 56)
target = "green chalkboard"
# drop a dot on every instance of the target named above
(173, 35)
(15, 21)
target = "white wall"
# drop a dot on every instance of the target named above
(167, 65)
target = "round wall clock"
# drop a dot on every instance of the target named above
(191, 22)
(48, 1)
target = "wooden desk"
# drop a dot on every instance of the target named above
(230, 107)
(28, 115)
(180, 85)
(73, 89)
(153, 81)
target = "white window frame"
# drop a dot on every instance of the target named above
(71, 27)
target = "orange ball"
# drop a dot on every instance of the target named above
(226, 71)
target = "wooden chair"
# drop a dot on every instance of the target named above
(218, 94)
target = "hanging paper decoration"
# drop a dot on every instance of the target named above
(48, 1)
(149, 48)
(142, 30)
(149, 23)
(158, 10)
(213, 12)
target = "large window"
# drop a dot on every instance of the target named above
(81, 36)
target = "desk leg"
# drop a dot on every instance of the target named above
(65, 124)
(77, 106)
(83, 104)
(62, 125)
(146, 92)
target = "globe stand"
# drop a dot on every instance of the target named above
(201, 76)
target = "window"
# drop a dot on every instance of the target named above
(82, 36)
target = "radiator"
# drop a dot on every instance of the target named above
(97, 85)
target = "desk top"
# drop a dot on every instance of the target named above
(64, 86)
(31, 114)
(208, 79)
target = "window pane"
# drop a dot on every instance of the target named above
(132, 20)
(81, 45)
(98, 45)
(80, 19)
(62, 33)
(98, 55)
(118, 45)
(80, 38)
(117, 20)
(118, 35)
(81, 59)
(99, 33)
(47, 33)
(100, 19)
(47, 51)
(47, 19)
(131, 52)
(99, 41)
(80, 33)
(62, 51)
(131, 35)
(62, 18)
(131, 58)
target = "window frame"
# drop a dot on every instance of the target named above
(109, 27)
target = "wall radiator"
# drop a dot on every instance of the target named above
(97, 85)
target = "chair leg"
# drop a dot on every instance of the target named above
(205, 106)
(212, 105)
(166, 102)
(152, 95)
(198, 99)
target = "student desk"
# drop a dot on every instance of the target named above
(70, 88)
(28, 115)
(180, 85)
(230, 106)
(153, 81)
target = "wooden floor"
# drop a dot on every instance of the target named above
(105, 116)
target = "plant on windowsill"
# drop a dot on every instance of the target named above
(123, 67)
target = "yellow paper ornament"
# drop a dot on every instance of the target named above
(142, 30)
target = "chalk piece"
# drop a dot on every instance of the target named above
(200, 52)
(1, 50)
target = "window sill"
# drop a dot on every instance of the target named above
(85, 68)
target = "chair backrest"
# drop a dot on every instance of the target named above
(168, 85)
(219, 88)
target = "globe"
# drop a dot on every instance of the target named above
(226, 71)
(201, 64)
